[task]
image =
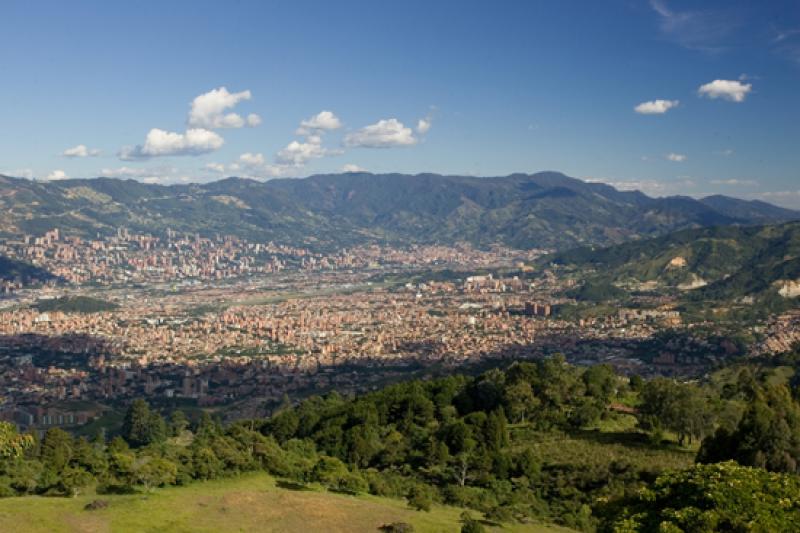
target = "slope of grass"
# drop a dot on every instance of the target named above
(248, 503)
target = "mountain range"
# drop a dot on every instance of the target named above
(542, 210)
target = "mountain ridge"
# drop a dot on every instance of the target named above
(542, 210)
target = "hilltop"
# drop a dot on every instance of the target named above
(542, 210)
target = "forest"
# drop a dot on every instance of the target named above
(536, 441)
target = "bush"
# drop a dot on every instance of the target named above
(420, 497)
(717, 497)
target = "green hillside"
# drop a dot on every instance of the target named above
(718, 263)
(252, 502)
(75, 304)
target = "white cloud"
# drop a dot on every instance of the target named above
(215, 167)
(158, 174)
(251, 160)
(80, 151)
(322, 121)
(383, 134)
(735, 182)
(57, 175)
(160, 143)
(655, 107)
(423, 125)
(731, 90)
(208, 110)
(350, 167)
(727, 152)
(678, 158)
(299, 153)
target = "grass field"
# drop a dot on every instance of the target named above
(248, 503)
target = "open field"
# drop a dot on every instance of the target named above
(248, 503)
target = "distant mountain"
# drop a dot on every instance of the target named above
(755, 210)
(718, 263)
(545, 210)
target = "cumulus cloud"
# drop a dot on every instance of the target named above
(57, 175)
(251, 160)
(160, 143)
(322, 121)
(350, 167)
(655, 107)
(383, 134)
(299, 153)
(731, 90)
(423, 125)
(678, 158)
(208, 110)
(80, 151)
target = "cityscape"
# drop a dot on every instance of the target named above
(418, 267)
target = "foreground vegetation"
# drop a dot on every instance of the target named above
(537, 442)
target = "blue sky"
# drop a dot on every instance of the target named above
(177, 91)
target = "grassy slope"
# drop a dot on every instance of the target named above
(248, 503)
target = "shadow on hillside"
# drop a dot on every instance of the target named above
(626, 438)
(291, 485)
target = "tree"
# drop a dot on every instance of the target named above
(420, 497)
(600, 382)
(496, 431)
(12, 444)
(178, 423)
(470, 525)
(677, 407)
(120, 465)
(151, 472)
(89, 457)
(143, 426)
(329, 471)
(768, 435)
(206, 465)
(73, 480)
(718, 497)
(56, 448)
(519, 400)
(636, 383)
